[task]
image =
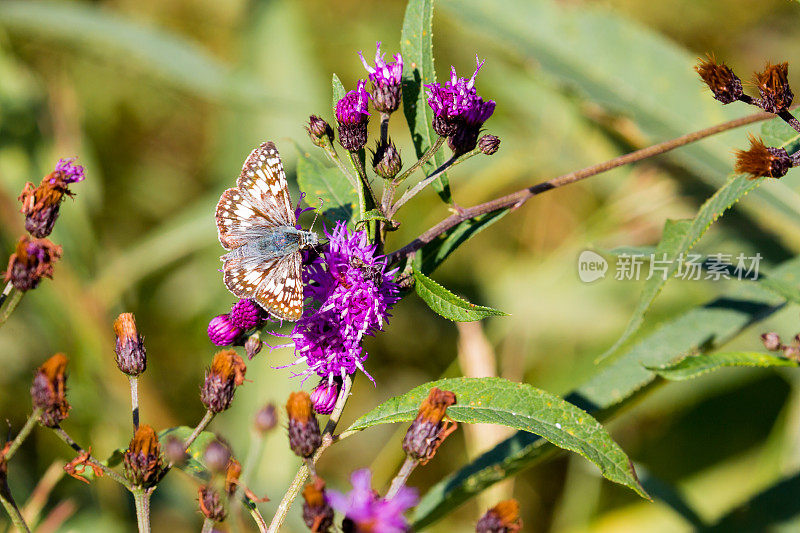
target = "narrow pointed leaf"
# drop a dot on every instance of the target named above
(447, 304)
(338, 92)
(697, 365)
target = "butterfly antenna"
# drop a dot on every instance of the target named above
(316, 215)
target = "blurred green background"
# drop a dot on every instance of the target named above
(162, 101)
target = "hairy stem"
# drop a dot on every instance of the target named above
(23, 434)
(208, 526)
(90, 458)
(141, 498)
(516, 199)
(327, 439)
(401, 478)
(8, 301)
(11, 507)
(134, 381)
(422, 160)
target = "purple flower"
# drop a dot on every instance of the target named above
(352, 113)
(386, 80)
(351, 295)
(367, 512)
(70, 172)
(246, 314)
(222, 331)
(325, 394)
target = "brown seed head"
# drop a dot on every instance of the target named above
(304, 434)
(773, 84)
(430, 428)
(40, 206)
(211, 504)
(317, 513)
(131, 354)
(49, 390)
(226, 373)
(32, 260)
(726, 86)
(142, 459)
(502, 518)
(762, 161)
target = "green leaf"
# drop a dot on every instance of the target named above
(709, 326)
(678, 238)
(338, 92)
(318, 180)
(447, 304)
(697, 365)
(433, 254)
(416, 45)
(776, 132)
(194, 464)
(519, 406)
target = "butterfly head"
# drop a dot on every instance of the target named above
(308, 239)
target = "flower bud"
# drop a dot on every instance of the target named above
(222, 331)
(489, 144)
(352, 114)
(142, 459)
(226, 373)
(253, 345)
(772, 341)
(317, 513)
(175, 451)
(319, 130)
(131, 354)
(49, 391)
(216, 457)
(32, 260)
(386, 160)
(211, 504)
(386, 80)
(791, 352)
(324, 396)
(502, 518)
(304, 435)
(246, 314)
(726, 86)
(429, 429)
(762, 161)
(266, 418)
(773, 84)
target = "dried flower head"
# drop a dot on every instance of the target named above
(430, 428)
(773, 84)
(317, 512)
(142, 459)
(131, 354)
(222, 331)
(226, 373)
(32, 260)
(772, 341)
(387, 81)
(386, 160)
(325, 394)
(266, 418)
(49, 390)
(489, 144)
(40, 205)
(352, 114)
(502, 518)
(726, 86)
(762, 161)
(304, 434)
(366, 512)
(319, 131)
(211, 504)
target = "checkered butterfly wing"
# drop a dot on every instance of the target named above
(275, 283)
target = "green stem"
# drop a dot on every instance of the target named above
(207, 418)
(75, 446)
(12, 509)
(413, 191)
(23, 434)
(250, 463)
(422, 160)
(208, 526)
(8, 302)
(402, 477)
(141, 498)
(134, 381)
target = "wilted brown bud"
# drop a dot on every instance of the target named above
(762, 161)
(726, 86)
(319, 131)
(216, 457)
(429, 429)
(211, 504)
(304, 435)
(773, 84)
(253, 345)
(131, 354)
(772, 341)
(489, 144)
(502, 518)
(32, 260)
(49, 390)
(317, 513)
(142, 459)
(40, 206)
(386, 160)
(266, 418)
(226, 373)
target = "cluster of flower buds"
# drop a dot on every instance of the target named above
(776, 96)
(317, 512)
(142, 460)
(772, 342)
(228, 328)
(131, 354)
(49, 391)
(225, 374)
(304, 434)
(502, 518)
(431, 426)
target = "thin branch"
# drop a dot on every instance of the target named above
(8, 301)
(422, 160)
(203, 424)
(401, 478)
(134, 381)
(141, 498)
(11, 507)
(23, 434)
(90, 458)
(516, 199)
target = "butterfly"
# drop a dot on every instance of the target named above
(256, 223)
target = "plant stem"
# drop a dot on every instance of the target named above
(422, 160)
(413, 191)
(11, 508)
(75, 446)
(141, 498)
(516, 199)
(203, 424)
(134, 381)
(327, 439)
(8, 301)
(250, 463)
(402, 477)
(385, 127)
(790, 119)
(33, 418)
(208, 526)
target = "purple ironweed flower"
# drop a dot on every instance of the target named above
(325, 394)
(352, 113)
(365, 511)
(70, 172)
(246, 314)
(386, 81)
(222, 331)
(352, 295)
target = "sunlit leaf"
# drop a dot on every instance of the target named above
(697, 365)
(447, 304)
